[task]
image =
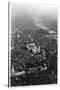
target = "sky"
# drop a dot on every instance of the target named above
(34, 9)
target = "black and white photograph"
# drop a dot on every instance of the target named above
(32, 44)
